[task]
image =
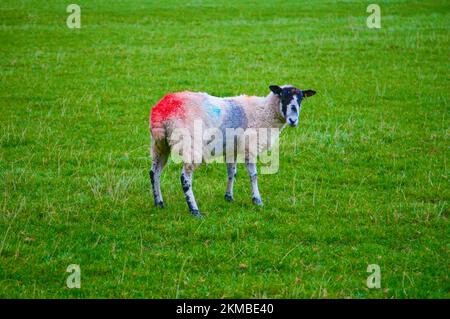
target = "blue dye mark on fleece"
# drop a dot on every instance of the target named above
(217, 111)
(235, 116)
(212, 109)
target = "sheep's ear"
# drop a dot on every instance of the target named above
(308, 93)
(276, 89)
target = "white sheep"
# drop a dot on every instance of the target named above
(182, 110)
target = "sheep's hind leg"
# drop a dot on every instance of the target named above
(159, 161)
(252, 172)
(231, 170)
(186, 183)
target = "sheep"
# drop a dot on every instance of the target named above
(181, 110)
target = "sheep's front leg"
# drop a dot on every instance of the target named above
(186, 183)
(252, 172)
(231, 170)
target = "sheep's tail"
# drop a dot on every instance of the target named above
(159, 146)
(158, 131)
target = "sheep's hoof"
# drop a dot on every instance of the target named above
(160, 204)
(196, 214)
(257, 201)
(229, 198)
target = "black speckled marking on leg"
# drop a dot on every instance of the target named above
(231, 172)
(152, 180)
(184, 183)
(152, 177)
(188, 201)
(186, 187)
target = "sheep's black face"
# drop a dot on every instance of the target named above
(291, 102)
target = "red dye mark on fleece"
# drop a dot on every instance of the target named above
(169, 106)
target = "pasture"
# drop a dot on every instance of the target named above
(362, 180)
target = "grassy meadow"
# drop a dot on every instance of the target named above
(363, 179)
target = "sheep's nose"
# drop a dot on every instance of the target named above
(291, 121)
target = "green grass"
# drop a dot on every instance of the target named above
(362, 180)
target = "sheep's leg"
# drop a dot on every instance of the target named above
(160, 157)
(231, 170)
(252, 172)
(186, 183)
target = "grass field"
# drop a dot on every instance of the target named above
(362, 180)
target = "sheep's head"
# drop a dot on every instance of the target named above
(290, 101)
